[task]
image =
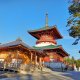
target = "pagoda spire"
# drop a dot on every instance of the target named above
(46, 22)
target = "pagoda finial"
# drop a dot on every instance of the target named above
(46, 20)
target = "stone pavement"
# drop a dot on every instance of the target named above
(74, 75)
(33, 76)
(44, 75)
(69, 75)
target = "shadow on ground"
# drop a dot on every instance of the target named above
(72, 74)
(3, 76)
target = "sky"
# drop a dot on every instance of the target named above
(19, 16)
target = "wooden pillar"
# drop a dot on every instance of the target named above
(36, 60)
(40, 62)
(43, 63)
(31, 57)
(10, 59)
(17, 58)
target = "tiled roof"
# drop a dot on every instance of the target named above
(15, 43)
(43, 28)
(58, 47)
(52, 29)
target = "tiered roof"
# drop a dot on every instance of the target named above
(52, 30)
(52, 47)
(49, 30)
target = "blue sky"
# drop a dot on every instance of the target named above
(19, 16)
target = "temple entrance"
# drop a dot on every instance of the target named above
(18, 56)
(14, 60)
(18, 61)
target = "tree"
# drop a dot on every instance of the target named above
(74, 20)
(73, 60)
(77, 63)
(67, 60)
(70, 61)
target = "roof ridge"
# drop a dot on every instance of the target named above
(12, 41)
(16, 42)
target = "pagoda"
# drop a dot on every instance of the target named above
(46, 42)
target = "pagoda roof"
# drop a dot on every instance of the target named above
(52, 47)
(42, 30)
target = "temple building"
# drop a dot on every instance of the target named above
(16, 53)
(46, 41)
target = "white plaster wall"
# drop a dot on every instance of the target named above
(44, 44)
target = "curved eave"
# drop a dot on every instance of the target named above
(60, 36)
(23, 48)
(64, 51)
(66, 54)
(35, 33)
(14, 47)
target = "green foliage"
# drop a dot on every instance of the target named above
(74, 8)
(74, 20)
(77, 63)
(72, 61)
